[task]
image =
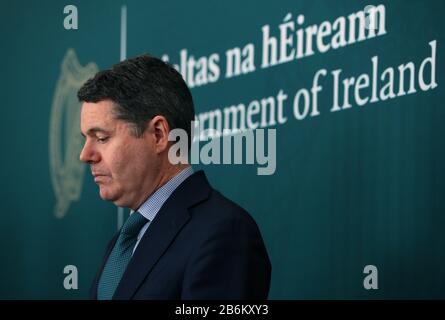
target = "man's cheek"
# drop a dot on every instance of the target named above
(115, 165)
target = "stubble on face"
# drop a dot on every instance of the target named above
(124, 166)
(127, 169)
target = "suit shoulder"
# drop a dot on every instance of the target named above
(219, 209)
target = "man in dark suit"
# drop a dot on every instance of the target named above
(183, 239)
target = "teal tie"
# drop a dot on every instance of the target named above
(120, 256)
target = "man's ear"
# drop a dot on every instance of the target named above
(158, 126)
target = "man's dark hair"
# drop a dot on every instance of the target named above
(142, 88)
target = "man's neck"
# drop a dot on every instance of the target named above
(167, 174)
(170, 173)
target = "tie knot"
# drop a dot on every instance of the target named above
(133, 224)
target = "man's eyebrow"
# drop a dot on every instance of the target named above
(94, 130)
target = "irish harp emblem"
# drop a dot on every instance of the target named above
(65, 141)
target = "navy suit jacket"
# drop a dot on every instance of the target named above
(199, 246)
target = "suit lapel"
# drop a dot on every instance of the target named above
(161, 233)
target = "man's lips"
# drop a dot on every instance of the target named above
(99, 177)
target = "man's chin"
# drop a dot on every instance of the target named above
(107, 195)
(112, 197)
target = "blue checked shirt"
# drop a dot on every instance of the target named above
(150, 208)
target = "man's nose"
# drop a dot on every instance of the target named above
(88, 154)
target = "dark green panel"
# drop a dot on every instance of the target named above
(362, 186)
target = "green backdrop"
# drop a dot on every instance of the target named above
(364, 186)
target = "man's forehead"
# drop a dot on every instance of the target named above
(96, 116)
(94, 130)
(101, 108)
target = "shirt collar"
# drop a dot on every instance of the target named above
(150, 208)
